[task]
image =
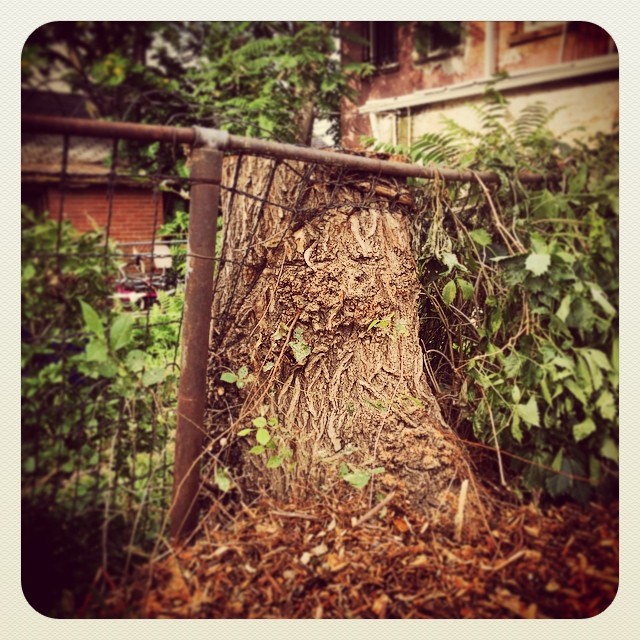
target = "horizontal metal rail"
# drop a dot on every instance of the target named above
(223, 141)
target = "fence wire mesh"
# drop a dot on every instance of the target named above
(101, 326)
(102, 321)
(102, 300)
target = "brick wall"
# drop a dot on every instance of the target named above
(133, 211)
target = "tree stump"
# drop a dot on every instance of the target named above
(316, 298)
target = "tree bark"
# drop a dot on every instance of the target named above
(317, 296)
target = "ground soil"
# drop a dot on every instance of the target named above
(330, 556)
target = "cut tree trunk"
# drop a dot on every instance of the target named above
(316, 296)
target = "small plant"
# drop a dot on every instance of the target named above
(240, 378)
(265, 441)
(387, 326)
(358, 478)
(299, 347)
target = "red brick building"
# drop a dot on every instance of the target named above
(428, 69)
(86, 195)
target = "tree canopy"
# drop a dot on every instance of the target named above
(264, 79)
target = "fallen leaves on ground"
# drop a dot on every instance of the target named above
(307, 560)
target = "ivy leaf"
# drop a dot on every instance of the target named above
(450, 260)
(538, 263)
(583, 429)
(529, 412)
(449, 292)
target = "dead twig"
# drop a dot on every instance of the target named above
(373, 511)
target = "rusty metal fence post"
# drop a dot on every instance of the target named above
(206, 172)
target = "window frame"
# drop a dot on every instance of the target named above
(440, 52)
(523, 34)
(370, 55)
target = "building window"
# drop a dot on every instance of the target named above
(437, 39)
(383, 44)
(532, 30)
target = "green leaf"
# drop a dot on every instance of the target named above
(481, 237)
(357, 479)
(244, 432)
(135, 360)
(299, 348)
(228, 376)
(263, 436)
(259, 422)
(153, 376)
(516, 431)
(449, 292)
(538, 263)
(583, 429)
(274, 462)
(609, 449)
(108, 368)
(564, 308)
(222, 480)
(450, 260)
(599, 358)
(121, 331)
(511, 365)
(96, 351)
(606, 405)
(600, 298)
(92, 319)
(257, 450)
(243, 372)
(529, 412)
(466, 289)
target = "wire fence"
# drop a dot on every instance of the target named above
(103, 321)
(102, 300)
(127, 435)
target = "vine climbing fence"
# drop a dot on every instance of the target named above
(126, 411)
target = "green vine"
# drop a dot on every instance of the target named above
(519, 312)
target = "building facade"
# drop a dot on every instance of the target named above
(79, 188)
(424, 70)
